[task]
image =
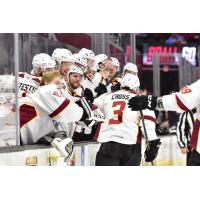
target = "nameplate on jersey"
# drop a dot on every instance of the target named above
(120, 96)
(27, 87)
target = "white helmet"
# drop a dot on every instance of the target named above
(87, 53)
(115, 62)
(80, 59)
(61, 55)
(48, 63)
(37, 59)
(130, 81)
(100, 58)
(131, 67)
(75, 69)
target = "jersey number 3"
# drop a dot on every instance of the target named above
(118, 112)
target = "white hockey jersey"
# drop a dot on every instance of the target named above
(39, 109)
(98, 78)
(186, 99)
(28, 83)
(88, 83)
(121, 124)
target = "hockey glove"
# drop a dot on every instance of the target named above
(115, 87)
(101, 89)
(142, 102)
(151, 153)
(64, 146)
(88, 95)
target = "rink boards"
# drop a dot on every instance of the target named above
(84, 155)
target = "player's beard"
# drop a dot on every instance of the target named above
(75, 85)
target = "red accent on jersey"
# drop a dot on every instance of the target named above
(97, 131)
(93, 106)
(118, 112)
(27, 113)
(139, 136)
(24, 94)
(88, 78)
(36, 79)
(60, 108)
(180, 104)
(132, 92)
(21, 75)
(195, 134)
(150, 118)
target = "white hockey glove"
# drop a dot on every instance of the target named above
(64, 146)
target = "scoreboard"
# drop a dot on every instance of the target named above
(169, 55)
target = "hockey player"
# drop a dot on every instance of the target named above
(101, 76)
(130, 68)
(39, 110)
(29, 83)
(80, 61)
(120, 134)
(64, 60)
(75, 91)
(40, 64)
(74, 87)
(89, 55)
(113, 70)
(7, 111)
(87, 79)
(186, 99)
(100, 64)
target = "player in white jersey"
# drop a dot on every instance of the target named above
(128, 68)
(100, 64)
(64, 60)
(186, 99)
(74, 92)
(7, 111)
(104, 68)
(29, 83)
(87, 79)
(40, 110)
(120, 134)
(112, 70)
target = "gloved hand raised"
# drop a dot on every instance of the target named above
(115, 87)
(142, 102)
(64, 146)
(88, 95)
(151, 153)
(101, 89)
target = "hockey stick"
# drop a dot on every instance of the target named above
(90, 112)
(145, 133)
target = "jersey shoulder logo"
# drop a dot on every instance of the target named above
(185, 90)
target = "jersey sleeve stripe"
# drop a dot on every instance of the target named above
(149, 118)
(180, 104)
(195, 134)
(37, 80)
(27, 113)
(97, 131)
(60, 108)
(21, 75)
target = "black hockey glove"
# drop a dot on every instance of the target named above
(85, 114)
(88, 95)
(151, 153)
(115, 87)
(142, 102)
(101, 89)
